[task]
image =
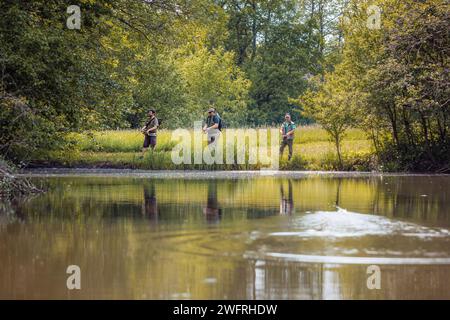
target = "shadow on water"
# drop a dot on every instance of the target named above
(264, 238)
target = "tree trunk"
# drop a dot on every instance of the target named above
(254, 30)
(337, 141)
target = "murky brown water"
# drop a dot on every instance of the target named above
(145, 237)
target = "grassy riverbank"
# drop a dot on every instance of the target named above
(120, 149)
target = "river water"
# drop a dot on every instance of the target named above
(138, 235)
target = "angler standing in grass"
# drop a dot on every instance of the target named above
(150, 130)
(287, 131)
(213, 126)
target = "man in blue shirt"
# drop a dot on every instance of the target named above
(287, 131)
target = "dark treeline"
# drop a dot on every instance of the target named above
(340, 63)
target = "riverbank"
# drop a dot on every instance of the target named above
(121, 150)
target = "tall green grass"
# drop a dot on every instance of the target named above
(121, 149)
(119, 141)
(314, 133)
(131, 140)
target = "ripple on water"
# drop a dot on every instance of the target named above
(339, 237)
(343, 237)
(343, 224)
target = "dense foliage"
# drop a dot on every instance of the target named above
(127, 57)
(393, 82)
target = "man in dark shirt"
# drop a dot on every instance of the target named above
(287, 131)
(212, 126)
(150, 130)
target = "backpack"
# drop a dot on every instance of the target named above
(220, 122)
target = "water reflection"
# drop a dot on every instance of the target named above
(273, 238)
(212, 210)
(150, 205)
(278, 280)
(286, 200)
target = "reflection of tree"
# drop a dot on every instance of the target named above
(284, 280)
(212, 210)
(271, 279)
(286, 201)
(398, 197)
(150, 206)
(10, 212)
(338, 193)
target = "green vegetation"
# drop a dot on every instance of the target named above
(331, 62)
(121, 149)
(392, 81)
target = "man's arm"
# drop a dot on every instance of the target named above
(152, 129)
(144, 128)
(283, 135)
(215, 125)
(291, 133)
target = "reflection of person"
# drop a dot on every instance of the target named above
(150, 130)
(150, 206)
(212, 211)
(286, 202)
(287, 131)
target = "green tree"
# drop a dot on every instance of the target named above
(211, 77)
(55, 80)
(332, 105)
(399, 75)
(280, 44)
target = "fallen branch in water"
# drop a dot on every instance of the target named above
(12, 186)
(443, 170)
